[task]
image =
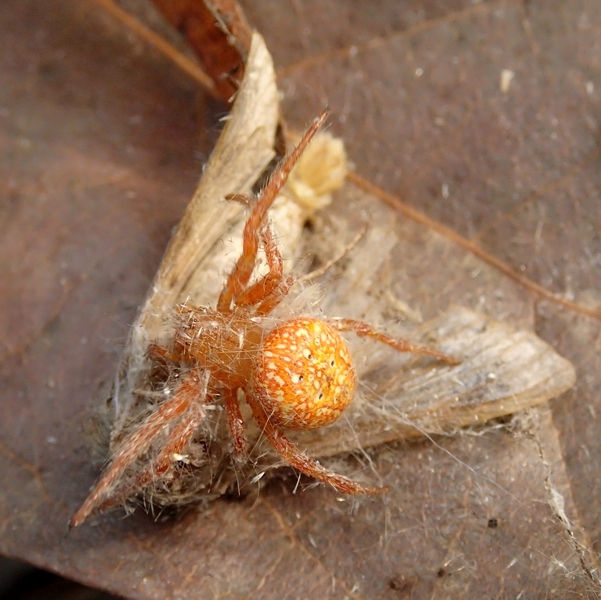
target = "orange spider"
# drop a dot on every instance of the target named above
(296, 375)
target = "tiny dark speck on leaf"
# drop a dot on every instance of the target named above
(48, 70)
(493, 523)
(400, 584)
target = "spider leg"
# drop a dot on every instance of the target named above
(303, 463)
(175, 445)
(278, 294)
(236, 424)
(156, 352)
(269, 291)
(242, 271)
(363, 329)
(241, 198)
(190, 389)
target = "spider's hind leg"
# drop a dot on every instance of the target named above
(236, 424)
(362, 329)
(303, 463)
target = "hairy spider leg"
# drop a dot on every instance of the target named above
(268, 292)
(236, 424)
(232, 406)
(269, 303)
(192, 389)
(175, 445)
(362, 329)
(300, 461)
(242, 271)
(182, 433)
(157, 352)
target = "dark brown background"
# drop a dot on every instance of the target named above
(102, 143)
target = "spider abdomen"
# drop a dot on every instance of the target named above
(304, 376)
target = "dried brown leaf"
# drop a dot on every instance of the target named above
(218, 33)
(88, 209)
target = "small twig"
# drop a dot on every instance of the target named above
(476, 250)
(162, 45)
(330, 263)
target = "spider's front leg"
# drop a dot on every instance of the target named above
(244, 267)
(192, 389)
(303, 463)
(268, 292)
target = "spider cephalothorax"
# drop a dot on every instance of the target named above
(297, 374)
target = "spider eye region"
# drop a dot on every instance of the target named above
(304, 376)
